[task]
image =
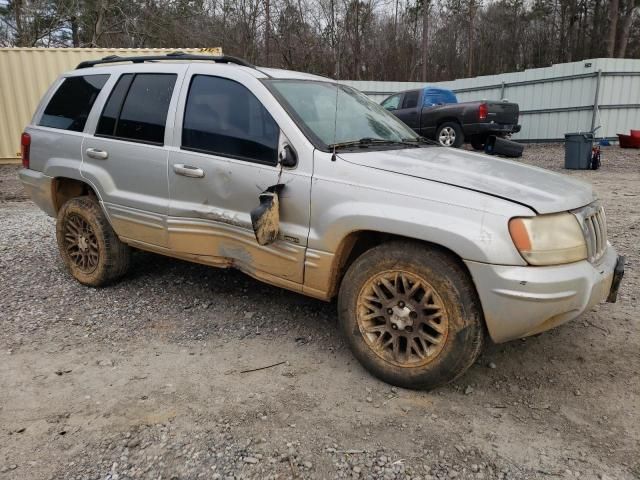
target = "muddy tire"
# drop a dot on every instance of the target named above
(90, 249)
(411, 315)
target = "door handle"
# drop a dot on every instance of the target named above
(188, 170)
(96, 153)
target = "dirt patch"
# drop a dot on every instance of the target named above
(10, 188)
(144, 379)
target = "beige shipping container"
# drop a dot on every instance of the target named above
(27, 73)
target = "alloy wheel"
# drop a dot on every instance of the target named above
(402, 318)
(81, 243)
(447, 136)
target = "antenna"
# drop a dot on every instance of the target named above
(335, 125)
(335, 115)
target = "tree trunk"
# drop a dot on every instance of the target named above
(17, 8)
(425, 38)
(75, 31)
(99, 25)
(470, 43)
(335, 43)
(594, 50)
(614, 6)
(267, 31)
(356, 45)
(625, 30)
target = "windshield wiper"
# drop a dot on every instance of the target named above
(367, 141)
(421, 140)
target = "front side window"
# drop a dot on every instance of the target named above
(393, 102)
(70, 106)
(137, 108)
(353, 118)
(223, 117)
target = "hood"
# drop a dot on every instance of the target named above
(542, 190)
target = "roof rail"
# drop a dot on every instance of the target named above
(170, 56)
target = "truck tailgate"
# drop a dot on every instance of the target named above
(503, 112)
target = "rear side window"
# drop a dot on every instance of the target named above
(70, 106)
(111, 112)
(137, 108)
(410, 99)
(223, 117)
(438, 97)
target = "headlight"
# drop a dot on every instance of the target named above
(549, 239)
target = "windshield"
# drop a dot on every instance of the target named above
(358, 117)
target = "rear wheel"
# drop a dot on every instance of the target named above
(411, 315)
(478, 143)
(90, 249)
(450, 134)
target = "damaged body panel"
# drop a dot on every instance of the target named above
(265, 218)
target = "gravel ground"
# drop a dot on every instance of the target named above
(146, 379)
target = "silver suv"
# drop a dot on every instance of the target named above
(309, 185)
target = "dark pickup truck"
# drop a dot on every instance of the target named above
(435, 113)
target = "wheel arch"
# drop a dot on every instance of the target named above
(64, 189)
(444, 120)
(358, 242)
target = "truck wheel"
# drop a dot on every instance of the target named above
(90, 249)
(411, 315)
(450, 134)
(478, 143)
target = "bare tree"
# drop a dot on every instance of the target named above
(426, 8)
(426, 40)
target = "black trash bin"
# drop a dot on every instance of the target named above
(577, 150)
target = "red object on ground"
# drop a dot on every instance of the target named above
(629, 141)
(635, 133)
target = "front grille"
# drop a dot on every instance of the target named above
(594, 227)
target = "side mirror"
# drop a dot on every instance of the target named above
(288, 157)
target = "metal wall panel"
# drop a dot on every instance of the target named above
(26, 73)
(553, 100)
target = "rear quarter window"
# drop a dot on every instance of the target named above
(70, 106)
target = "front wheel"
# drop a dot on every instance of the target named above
(450, 134)
(411, 315)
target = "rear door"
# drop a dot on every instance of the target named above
(408, 111)
(126, 160)
(225, 156)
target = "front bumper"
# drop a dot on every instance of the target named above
(522, 301)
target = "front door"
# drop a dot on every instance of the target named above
(126, 159)
(228, 155)
(408, 110)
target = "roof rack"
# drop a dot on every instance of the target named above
(170, 56)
